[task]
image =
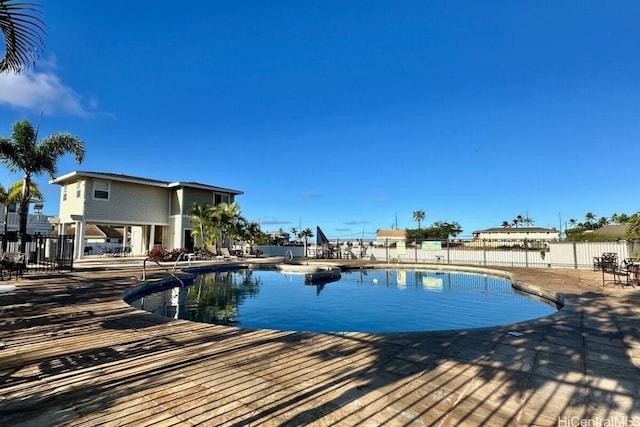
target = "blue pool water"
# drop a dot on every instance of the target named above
(364, 300)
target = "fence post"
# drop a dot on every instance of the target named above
(415, 250)
(448, 253)
(575, 256)
(484, 252)
(386, 246)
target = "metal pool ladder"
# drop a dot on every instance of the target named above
(144, 268)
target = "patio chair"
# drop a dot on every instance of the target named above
(224, 252)
(609, 262)
(597, 263)
(627, 270)
(13, 262)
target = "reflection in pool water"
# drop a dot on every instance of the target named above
(362, 300)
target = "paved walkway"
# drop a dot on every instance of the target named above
(73, 353)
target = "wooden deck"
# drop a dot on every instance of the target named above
(72, 353)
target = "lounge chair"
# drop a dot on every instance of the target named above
(225, 254)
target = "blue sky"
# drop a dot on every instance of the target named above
(350, 114)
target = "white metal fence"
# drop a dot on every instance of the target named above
(553, 254)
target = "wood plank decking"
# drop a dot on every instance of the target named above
(72, 353)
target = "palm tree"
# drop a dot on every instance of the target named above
(6, 201)
(203, 226)
(14, 195)
(251, 231)
(226, 216)
(573, 222)
(418, 216)
(505, 224)
(294, 232)
(517, 221)
(306, 234)
(23, 32)
(527, 221)
(590, 219)
(23, 152)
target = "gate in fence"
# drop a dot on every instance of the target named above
(41, 253)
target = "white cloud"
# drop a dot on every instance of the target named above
(42, 92)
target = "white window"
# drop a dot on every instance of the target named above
(101, 190)
(79, 189)
(64, 193)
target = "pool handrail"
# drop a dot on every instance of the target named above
(144, 269)
(290, 252)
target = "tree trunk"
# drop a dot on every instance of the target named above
(4, 231)
(24, 211)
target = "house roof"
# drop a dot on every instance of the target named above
(392, 233)
(518, 229)
(72, 176)
(613, 230)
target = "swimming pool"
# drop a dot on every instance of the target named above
(361, 301)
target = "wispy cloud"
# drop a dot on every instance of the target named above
(42, 91)
(270, 221)
(356, 222)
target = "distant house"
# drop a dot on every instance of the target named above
(614, 231)
(37, 223)
(278, 237)
(148, 211)
(389, 237)
(517, 233)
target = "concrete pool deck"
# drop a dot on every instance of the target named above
(73, 353)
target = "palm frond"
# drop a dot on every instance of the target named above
(23, 31)
(15, 192)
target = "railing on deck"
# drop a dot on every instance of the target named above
(42, 252)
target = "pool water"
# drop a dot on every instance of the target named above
(364, 301)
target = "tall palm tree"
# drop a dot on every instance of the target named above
(23, 31)
(517, 221)
(573, 222)
(23, 152)
(590, 219)
(306, 234)
(418, 216)
(527, 221)
(505, 224)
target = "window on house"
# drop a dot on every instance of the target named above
(217, 199)
(79, 189)
(64, 193)
(101, 190)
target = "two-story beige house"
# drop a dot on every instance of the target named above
(149, 211)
